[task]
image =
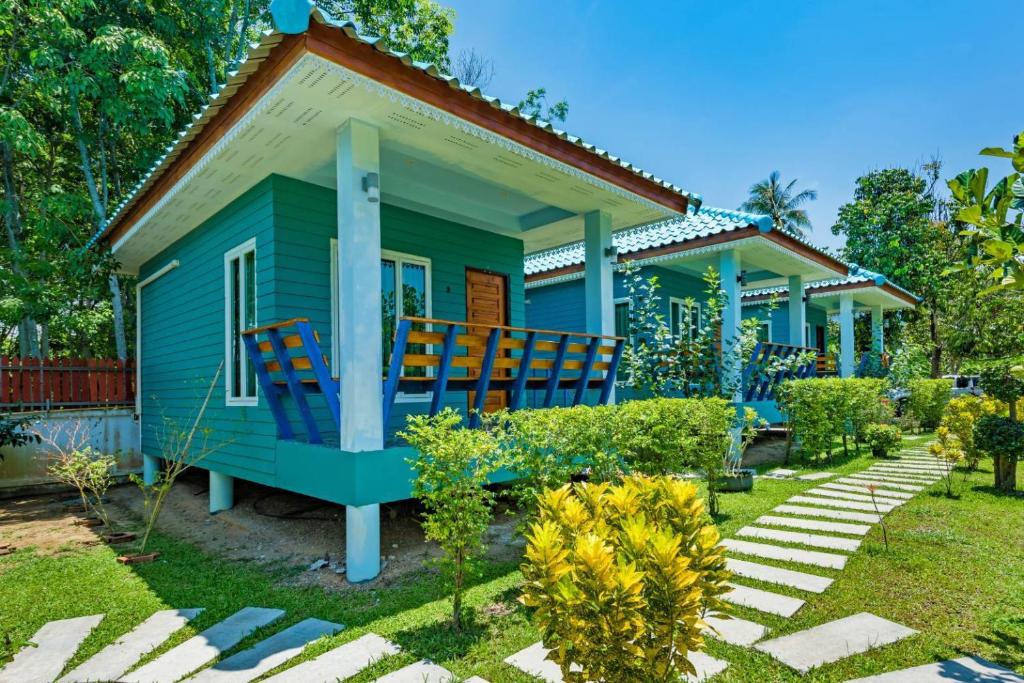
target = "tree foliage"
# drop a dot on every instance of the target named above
(782, 202)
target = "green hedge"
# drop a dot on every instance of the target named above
(820, 410)
(928, 399)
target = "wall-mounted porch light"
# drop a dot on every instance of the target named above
(742, 278)
(371, 186)
(611, 252)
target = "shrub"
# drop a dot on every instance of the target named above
(1003, 439)
(867, 405)
(802, 402)
(620, 576)
(956, 429)
(1001, 383)
(819, 410)
(89, 471)
(453, 466)
(882, 439)
(928, 398)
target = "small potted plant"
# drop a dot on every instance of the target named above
(883, 439)
(735, 477)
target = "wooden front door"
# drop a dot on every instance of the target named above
(487, 304)
(820, 339)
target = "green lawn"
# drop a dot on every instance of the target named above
(955, 572)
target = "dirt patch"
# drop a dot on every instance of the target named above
(272, 526)
(768, 448)
(44, 523)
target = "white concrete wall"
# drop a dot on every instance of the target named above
(112, 431)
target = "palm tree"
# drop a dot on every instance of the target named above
(770, 198)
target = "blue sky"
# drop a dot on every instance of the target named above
(715, 94)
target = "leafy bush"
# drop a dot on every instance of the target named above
(669, 435)
(882, 439)
(453, 466)
(546, 448)
(1001, 383)
(1003, 439)
(928, 398)
(620, 576)
(820, 410)
(14, 433)
(956, 429)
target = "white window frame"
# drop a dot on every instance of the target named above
(688, 308)
(399, 258)
(238, 253)
(768, 324)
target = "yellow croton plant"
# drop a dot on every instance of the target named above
(621, 575)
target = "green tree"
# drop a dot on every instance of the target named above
(536, 104)
(782, 203)
(890, 228)
(989, 221)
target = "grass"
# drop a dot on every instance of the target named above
(954, 572)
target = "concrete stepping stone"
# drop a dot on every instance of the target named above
(111, 662)
(882, 483)
(813, 540)
(897, 472)
(844, 504)
(734, 630)
(814, 525)
(205, 647)
(811, 583)
(863, 489)
(891, 486)
(879, 498)
(51, 647)
(815, 476)
(340, 663)
(778, 552)
(964, 669)
(420, 672)
(909, 467)
(763, 601)
(834, 640)
(267, 654)
(780, 473)
(923, 482)
(845, 515)
(533, 661)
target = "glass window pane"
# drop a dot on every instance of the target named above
(250, 319)
(388, 310)
(694, 321)
(236, 305)
(621, 319)
(414, 303)
(675, 318)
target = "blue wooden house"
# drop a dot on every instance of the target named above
(755, 262)
(343, 230)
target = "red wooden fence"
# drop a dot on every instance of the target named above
(34, 383)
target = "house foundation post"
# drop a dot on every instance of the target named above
(150, 469)
(222, 492)
(797, 311)
(846, 352)
(730, 271)
(598, 277)
(360, 360)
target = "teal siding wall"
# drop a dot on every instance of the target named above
(293, 223)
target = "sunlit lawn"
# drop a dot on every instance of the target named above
(954, 571)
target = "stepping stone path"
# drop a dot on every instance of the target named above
(802, 538)
(964, 669)
(814, 525)
(56, 643)
(816, 476)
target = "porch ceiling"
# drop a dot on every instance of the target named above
(431, 161)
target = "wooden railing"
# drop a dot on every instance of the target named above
(34, 383)
(826, 364)
(444, 355)
(760, 380)
(432, 357)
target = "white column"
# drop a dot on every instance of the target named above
(846, 362)
(222, 492)
(150, 469)
(729, 268)
(877, 330)
(797, 311)
(598, 277)
(360, 360)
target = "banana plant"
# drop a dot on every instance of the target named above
(990, 220)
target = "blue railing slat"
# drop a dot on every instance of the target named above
(588, 367)
(556, 370)
(270, 390)
(284, 360)
(328, 386)
(395, 369)
(440, 385)
(519, 388)
(486, 367)
(612, 372)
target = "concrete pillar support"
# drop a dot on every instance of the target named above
(222, 492)
(360, 359)
(797, 311)
(730, 270)
(846, 353)
(598, 277)
(877, 330)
